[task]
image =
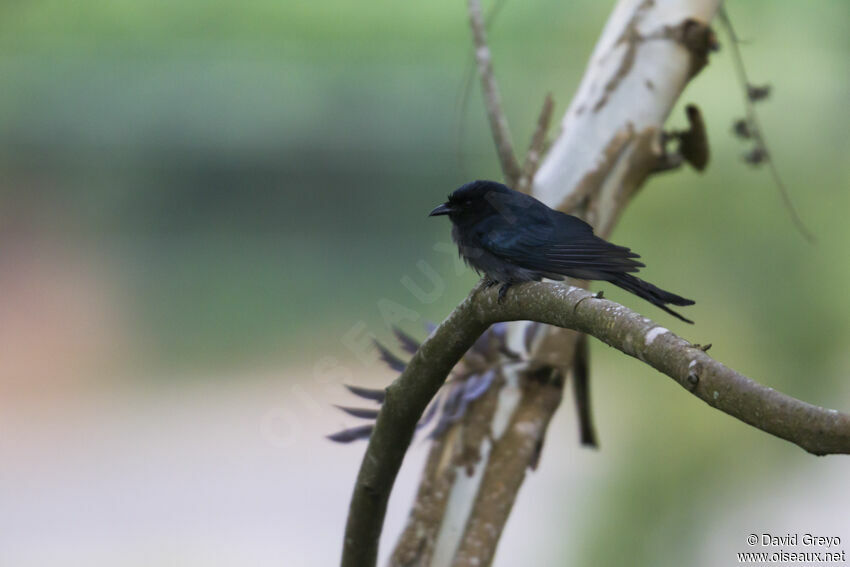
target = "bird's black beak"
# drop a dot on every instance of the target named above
(443, 209)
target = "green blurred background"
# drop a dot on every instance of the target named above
(200, 201)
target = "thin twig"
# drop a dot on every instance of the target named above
(756, 130)
(466, 88)
(817, 430)
(498, 121)
(535, 149)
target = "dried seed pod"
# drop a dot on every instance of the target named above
(742, 128)
(756, 156)
(757, 93)
(693, 143)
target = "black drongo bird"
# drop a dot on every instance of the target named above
(511, 238)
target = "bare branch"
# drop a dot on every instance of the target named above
(535, 149)
(817, 430)
(497, 118)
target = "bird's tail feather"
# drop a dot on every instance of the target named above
(651, 293)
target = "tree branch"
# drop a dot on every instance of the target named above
(817, 430)
(506, 467)
(497, 118)
(535, 149)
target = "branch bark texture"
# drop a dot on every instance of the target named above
(817, 430)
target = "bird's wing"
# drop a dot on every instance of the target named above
(578, 253)
(591, 253)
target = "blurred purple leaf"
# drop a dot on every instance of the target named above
(429, 413)
(408, 343)
(392, 360)
(367, 393)
(362, 413)
(500, 330)
(353, 434)
(476, 385)
(450, 408)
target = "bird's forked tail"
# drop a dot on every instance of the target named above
(652, 294)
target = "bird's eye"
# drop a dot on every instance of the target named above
(468, 202)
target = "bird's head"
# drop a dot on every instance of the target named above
(472, 201)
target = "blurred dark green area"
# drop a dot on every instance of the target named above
(258, 174)
(261, 171)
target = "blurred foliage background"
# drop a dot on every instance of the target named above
(196, 192)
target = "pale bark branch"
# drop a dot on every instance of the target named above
(505, 471)
(817, 430)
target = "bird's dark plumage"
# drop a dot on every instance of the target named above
(511, 238)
